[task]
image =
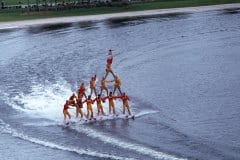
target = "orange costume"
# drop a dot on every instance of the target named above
(81, 91)
(117, 84)
(89, 107)
(109, 64)
(110, 98)
(99, 104)
(92, 85)
(79, 107)
(125, 100)
(103, 86)
(65, 111)
(72, 99)
(110, 57)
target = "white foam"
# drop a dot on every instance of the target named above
(106, 138)
(46, 101)
(145, 112)
(5, 128)
(43, 101)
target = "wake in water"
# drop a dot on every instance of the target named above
(141, 149)
(43, 101)
(6, 129)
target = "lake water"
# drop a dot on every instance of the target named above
(181, 72)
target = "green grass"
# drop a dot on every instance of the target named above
(12, 15)
(16, 2)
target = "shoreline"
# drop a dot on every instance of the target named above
(100, 17)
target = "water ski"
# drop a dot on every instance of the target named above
(91, 120)
(66, 123)
(114, 116)
(130, 117)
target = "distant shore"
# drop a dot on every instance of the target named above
(72, 19)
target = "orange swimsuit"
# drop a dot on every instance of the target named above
(65, 111)
(89, 107)
(111, 104)
(103, 84)
(125, 100)
(92, 84)
(99, 105)
(108, 67)
(117, 83)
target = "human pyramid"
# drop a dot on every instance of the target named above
(81, 98)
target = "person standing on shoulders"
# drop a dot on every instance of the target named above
(81, 91)
(109, 64)
(117, 84)
(110, 57)
(103, 85)
(93, 85)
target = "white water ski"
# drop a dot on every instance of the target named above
(110, 117)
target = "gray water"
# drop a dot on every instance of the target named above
(181, 72)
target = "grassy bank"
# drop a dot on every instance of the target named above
(20, 14)
(16, 2)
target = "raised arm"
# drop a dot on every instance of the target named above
(95, 77)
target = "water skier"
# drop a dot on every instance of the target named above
(99, 104)
(110, 98)
(93, 85)
(72, 99)
(110, 57)
(103, 85)
(81, 91)
(125, 100)
(117, 84)
(79, 106)
(89, 107)
(65, 111)
(109, 64)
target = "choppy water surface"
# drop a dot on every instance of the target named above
(181, 72)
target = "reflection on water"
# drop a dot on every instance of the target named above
(48, 27)
(129, 21)
(87, 25)
(231, 11)
(119, 22)
(8, 30)
(112, 23)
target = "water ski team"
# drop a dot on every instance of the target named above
(78, 100)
